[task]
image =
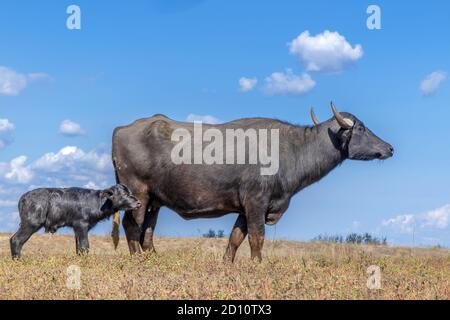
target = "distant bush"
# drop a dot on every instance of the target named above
(213, 234)
(329, 238)
(355, 238)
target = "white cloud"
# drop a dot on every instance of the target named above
(437, 218)
(433, 219)
(279, 83)
(91, 185)
(432, 82)
(67, 166)
(17, 171)
(247, 84)
(204, 119)
(71, 157)
(12, 82)
(6, 130)
(70, 128)
(403, 223)
(5, 125)
(324, 52)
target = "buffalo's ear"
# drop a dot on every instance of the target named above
(345, 139)
(108, 193)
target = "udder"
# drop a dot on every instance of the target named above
(272, 218)
(276, 210)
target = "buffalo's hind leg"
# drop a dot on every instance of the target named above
(151, 217)
(20, 237)
(237, 235)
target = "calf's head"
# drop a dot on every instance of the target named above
(119, 197)
(355, 140)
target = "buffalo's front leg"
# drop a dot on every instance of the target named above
(149, 228)
(236, 237)
(132, 232)
(255, 225)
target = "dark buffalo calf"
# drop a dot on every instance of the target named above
(78, 208)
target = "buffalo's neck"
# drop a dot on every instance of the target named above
(316, 154)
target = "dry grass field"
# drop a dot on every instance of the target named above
(187, 268)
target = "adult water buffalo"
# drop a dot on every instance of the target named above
(143, 159)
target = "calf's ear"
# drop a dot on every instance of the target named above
(108, 193)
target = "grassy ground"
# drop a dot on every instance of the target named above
(193, 269)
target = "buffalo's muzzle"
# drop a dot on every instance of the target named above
(389, 152)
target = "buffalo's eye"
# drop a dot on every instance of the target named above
(360, 128)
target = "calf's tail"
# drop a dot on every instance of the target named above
(115, 229)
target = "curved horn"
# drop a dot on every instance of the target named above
(343, 122)
(313, 117)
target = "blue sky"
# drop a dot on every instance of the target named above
(185, 58)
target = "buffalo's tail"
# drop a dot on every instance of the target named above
(115, 232)
(115, 229)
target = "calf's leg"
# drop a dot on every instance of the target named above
(82, 240)
(237, 235)
(148, 229)
(20, 237)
